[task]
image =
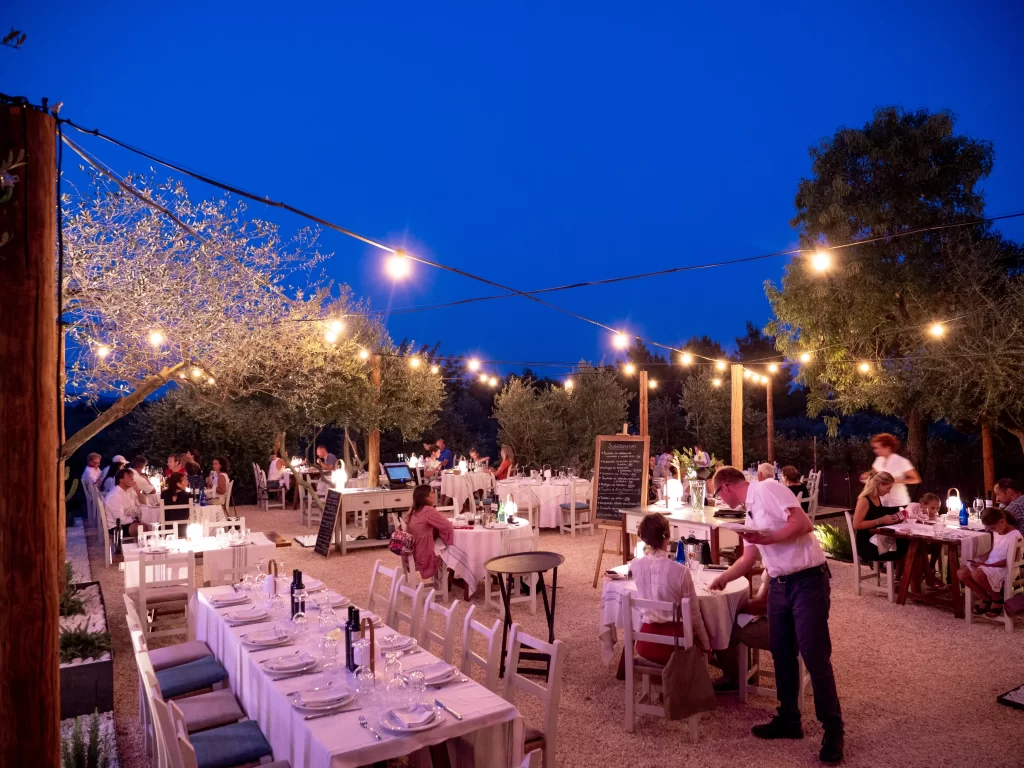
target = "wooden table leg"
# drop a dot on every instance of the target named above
(600, 556)
(714, 545)
(954, 580)
(908, 565)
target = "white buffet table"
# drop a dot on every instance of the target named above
(489, 735)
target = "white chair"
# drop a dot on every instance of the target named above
(311, 507)
(382, 603)
(415, 614)
(263, 492)
(751, 668)
(89, 491)
(546, 738)
(492, 637)
(527, 504)
(876, 572)
(648, 670)
(189, 760)
(813, 487)
(225, 500)
(189, 509)
(166, 584)
(577, 508)
(163, 532)
(210, 526)
(532, 760)
(1013, 584)
(445, 638)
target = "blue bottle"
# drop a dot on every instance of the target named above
(963, 516)
(681, 552)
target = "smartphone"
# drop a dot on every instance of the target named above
(716, 567)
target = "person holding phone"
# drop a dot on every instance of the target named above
(869, 515)
(798, 604)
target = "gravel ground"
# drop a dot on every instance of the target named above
(917, 686)
(109, 747)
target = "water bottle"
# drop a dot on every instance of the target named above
(963, 516)
(202, 498)
(681, 552)
(118, 532)
(501, 512)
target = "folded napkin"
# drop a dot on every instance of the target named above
(236, 598)
(439, 670)
(271, 635)
(414, 716)
(312, 585)
(247, 614)
(289, 663)
(324, 696)
(395, 641)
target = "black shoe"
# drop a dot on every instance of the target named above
(779, 728)
(831, 749)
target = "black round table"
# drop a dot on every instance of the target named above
(521, 564)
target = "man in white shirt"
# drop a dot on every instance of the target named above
(798, 604)
(91, 473)
(122, 503)
(148, 492)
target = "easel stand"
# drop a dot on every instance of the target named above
(622, 549)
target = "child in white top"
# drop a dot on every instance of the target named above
(986, 576)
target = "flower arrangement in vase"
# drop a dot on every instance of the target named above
(696, 465)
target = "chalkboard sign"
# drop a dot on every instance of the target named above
(327, 523)
(620, 474)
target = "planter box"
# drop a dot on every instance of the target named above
(87, 685)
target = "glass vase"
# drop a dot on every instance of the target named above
(698, 494)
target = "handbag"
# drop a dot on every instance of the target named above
(685, 682)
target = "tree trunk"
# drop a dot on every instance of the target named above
(917, 445)
(30, 694)
(770, 407)
(119, 409)
(988, 461)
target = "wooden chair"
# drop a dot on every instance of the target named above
(648, 670)
(544, 739)
(446, 637)
(1013, 584)
(876, 574)
(382, 603)
(576, 509)
(492, 637)
(89, 491)
(415, 614)
(101, 522)
(189, 509)
(166, 584)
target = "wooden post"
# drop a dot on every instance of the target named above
(373, 448)
(30, 694)
(737, 415)
(771, 421)
(988, 461)
(643, 403)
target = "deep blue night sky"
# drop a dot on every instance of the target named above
(533, 145)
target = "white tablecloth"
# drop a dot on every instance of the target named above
(973, 543)
(216, 555)
(487, 735)
(718, 609)
(461, 487)
(473, 547)
(548, 495)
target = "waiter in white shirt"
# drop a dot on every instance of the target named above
(122, 503)
(798, 604)
(888, 460)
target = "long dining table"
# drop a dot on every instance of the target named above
(490, 732)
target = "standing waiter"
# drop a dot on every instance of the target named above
(798, 604)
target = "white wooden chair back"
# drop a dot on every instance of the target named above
(225, 500)
(549, 694)
(88, 490)
(813, 487)
(101, 521)
(1013, 584)
(159, 718)
(415, 615)
(210, 526)
(876, 573)
(646, 669)
(578, 492)
(159, 573)
(533, 759)
(380, 602)
(164, 531)
(311, 506)
(527, 504)
(445, 638)
(492, 637)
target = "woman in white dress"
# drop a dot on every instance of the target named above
(888, 460)
(218, 481)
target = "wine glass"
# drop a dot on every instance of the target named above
(979, 507)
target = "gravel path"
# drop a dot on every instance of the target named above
(917, 686)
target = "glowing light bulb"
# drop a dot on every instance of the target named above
(435, 369)
(196, 372)
(652, 384)
(629, 369)
(181, 376)
(686, 359)
(364, 354)
(398, 266)
(474, 364)
(620, 340)
(720, 365)
(821, 261)
(865, 367)
(156, 338)
(336, 326)
(805, 357)
(483, 378)
(746, 374)
(716, 382)
(938, 330)
(773, 368)
(764, 379)
(492, 381)
(330, 337)
(414, 362)
(211, 380)
(568, 384)
(102, 351)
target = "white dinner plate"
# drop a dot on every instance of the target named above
(343, 698)
(438, 673)
(741, 528)
(291, 662)
(224, 601)
(155, 550)
(254, 613)
(396, 642)
(267, 638)
(393, 724)
(313, 585)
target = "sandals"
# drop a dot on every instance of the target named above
(996, 610)
(982, 608)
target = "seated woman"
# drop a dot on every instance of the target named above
(501, 473)
(176, 494)
(659, 577)
(986, 577)
(218, 481)
(426, 524)
(791, 479)
(870, 514)
(432, 465)
(108, 482)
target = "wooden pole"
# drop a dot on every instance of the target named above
(30, 694)
(373, 440)
(771, 421)
(737, 416)
(643, 402)
(988, 461)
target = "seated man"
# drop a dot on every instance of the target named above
(1007, 493)
(750, 629)
(765, 472)
(122, 503)
(444, 457)
(91, 473)
(149, 494)
(326, 460)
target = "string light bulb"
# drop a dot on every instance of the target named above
(716, 382)
(330, 337)
(364, 354)
(821, 261)
(211, 380)
(686, 359)
(197, 372)
(102, 351)
(773, 368)
(414, 362)
(568, 384)
(652, 384)
(746, 374)
(492, 381)
(156, 338)
(938, 330)
(181, 376)
(483, 378)
(620, 340)
(336, 326)
(720, 365)
(865, 367)
(435, 369)
(629, 369)
(398, 266)
(474, 364)
(805, 357)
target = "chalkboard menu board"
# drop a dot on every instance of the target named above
(327, 522)
(620, 475)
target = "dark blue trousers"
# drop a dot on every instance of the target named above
(798, 606)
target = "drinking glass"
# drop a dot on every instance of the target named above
(979, 507)
(328, 618)
(301, 624)
(365, 682)
(397, 693)
(278, 608)
(417, 688)
(393, 665)
(328, 650)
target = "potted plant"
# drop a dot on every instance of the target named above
(86, 666)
